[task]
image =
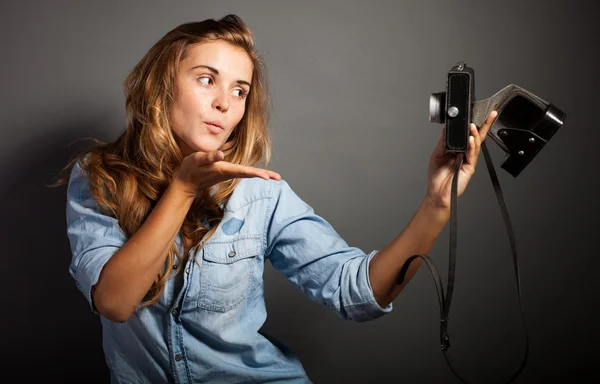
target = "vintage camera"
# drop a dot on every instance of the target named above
(525, 122)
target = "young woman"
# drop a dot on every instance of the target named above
(171, 224)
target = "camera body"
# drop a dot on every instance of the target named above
(453, 107)
(524, 124)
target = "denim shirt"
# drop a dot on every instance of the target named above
(205, 326)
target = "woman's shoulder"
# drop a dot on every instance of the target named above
(78, 177)
(79, 187)
(78, 168)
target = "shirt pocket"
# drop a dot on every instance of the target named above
(226, 273)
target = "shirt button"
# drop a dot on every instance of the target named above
(175, 266)
(174, 312)
(187, 270)
(178, 357)
(232, 254)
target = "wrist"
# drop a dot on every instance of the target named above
(435, 210)
(178, 189)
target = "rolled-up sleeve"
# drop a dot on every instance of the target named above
(93, 236)
(308, 251)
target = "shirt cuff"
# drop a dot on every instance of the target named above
(369, 309)
(88, 273)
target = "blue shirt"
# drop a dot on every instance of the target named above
(205, 326)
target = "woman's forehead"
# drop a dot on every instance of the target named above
(227, 59)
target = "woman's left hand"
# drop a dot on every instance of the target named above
(442, 166)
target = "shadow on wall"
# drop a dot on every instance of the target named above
(49, 333)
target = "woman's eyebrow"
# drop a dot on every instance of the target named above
(216, 72)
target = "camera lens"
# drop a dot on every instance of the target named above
(437, 104)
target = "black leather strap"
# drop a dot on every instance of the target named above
(445, 300)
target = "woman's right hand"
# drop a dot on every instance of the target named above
(200, 171)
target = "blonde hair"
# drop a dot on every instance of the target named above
(128, 176)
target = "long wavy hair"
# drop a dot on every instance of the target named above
(128, 176)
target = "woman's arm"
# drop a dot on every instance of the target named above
(130, 272)
(417, 238)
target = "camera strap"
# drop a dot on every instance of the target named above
(445, 300)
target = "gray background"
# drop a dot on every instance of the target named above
(350, 86)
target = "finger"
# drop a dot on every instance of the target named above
(274, 175)
(205, 158)
(476, 135)
(474, 148)
(485, 127)
(471, 157)
(242, 171)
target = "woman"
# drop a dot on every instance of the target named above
(171, 224)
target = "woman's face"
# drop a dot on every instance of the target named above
(210, 97)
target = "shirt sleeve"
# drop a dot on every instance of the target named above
(93, 236)
(307, 250)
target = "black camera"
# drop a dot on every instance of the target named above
(525, 122)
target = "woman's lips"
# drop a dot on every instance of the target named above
(214, 128)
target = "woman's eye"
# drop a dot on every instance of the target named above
(239, 93)
(206, 80)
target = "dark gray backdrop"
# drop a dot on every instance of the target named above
(350, 86)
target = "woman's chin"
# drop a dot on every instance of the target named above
(208, 148)
(205, 147)
(200, 143)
